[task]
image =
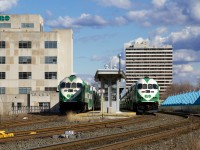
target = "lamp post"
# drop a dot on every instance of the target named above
(118, 86)
(119, 55)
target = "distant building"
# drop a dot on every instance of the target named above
(31, 59)
(144, 60)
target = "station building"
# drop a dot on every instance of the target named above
(32, 61)
(144, 60)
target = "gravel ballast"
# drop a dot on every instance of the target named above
(182, 142)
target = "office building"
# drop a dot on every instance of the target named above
(30, 58)
(144, 60)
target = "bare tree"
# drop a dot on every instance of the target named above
(178, 88)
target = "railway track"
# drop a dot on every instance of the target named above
(130, 138)
(24, 122)
(48, 132)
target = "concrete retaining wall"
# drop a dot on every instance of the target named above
(189, 108)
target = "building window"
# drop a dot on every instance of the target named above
(2, 75)
(2, 44)
(19, 106)
(50, 75)
(24, 90)
(27, 25)
(50, 44)
(50, 60)
(44, 104)
(5, 25)
(24, 44)
(2, 60)
(2, 90)
(50, 89)
(24, 75)
(25, 60)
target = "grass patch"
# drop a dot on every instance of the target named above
(74, 117)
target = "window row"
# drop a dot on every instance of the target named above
(149, 69)
(23, 25)
(149, 49)
(26, 90)
(5, 25)
(28, 60)
(27, 75)
(28, 44)
(27, 25)
(149, 52)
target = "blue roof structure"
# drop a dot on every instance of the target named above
(190, 98)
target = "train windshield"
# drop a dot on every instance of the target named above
(142, 86)
(155, 86)
(68, 85)
(150, 86)
(62, 85)
(139, 86)
(79, 85)
(73, 85)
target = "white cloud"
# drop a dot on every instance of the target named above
(194, 8)
(161, 30)
(186, 55)
(170, 12)
(183, 68)
(158, 3)
(49, 13)
(184, 34)
(181, 71)
(115, 62)
(87, 19)
(86, 77)
(124, 4)
(138, 41)
(186, 73)
(97, 58)
(83, 20)
(7, 4)
(186, 38)
(119, 21)
(61, 22)
(137, 15)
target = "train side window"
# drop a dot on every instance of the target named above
(155, 86)
(62, 85)
(68, 85)
(79, 85)
(73, 85)
(139, 86)
(150, 86)
(144, 86)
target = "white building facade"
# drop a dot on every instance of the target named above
(155, 62)
(31, 59)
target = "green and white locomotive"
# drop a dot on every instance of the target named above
(141, 97)
(76, 94)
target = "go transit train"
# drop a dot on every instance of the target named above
(76, 94)
(141, 97)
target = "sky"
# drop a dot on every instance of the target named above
(102, 27)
